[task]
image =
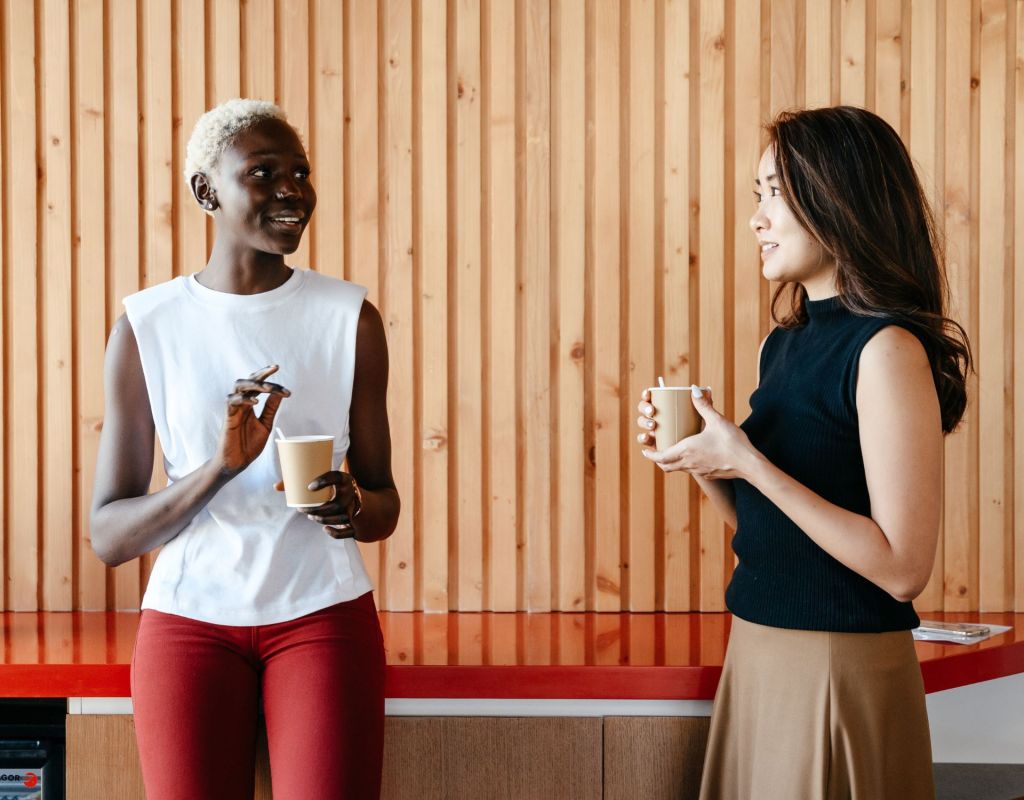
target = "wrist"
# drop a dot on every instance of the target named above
(752, 469)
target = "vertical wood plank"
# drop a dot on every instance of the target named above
(604, 246)
(537, 306)
(995, 584)
(20, 121)
(568, 64)
(56, 386)
(89, 164)
(640, 285)
(924, 145)
(499, 258)
(785, 68)
(5, 277)
(259, 66)
(468, 432)
(225, 37)
(888, 60)
(125, 252)
(293, 95)
(397, 291)
(431, 233)
(362, 213)
(190, 221)
(714, 562)
(817, 54)
(960, 508)
(327, 138)
(748, 143)
(1018, 318)
(853, 19)
(158, 211)
(677, 350)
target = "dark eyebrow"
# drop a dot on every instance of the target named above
(265, 153)
(771, 177)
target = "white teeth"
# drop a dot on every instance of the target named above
(768, 246)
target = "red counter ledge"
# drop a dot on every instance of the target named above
(483, 655)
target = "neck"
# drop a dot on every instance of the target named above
(242, 270)
(822, 286)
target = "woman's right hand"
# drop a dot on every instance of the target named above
(245, 435)
(646, 421)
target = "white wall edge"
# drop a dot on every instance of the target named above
(473, 707)
(494, 707)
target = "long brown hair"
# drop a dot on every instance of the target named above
(851, 183)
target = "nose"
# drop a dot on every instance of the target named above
(758, 222)
(287, 189)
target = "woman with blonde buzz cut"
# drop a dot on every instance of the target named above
(251, 604)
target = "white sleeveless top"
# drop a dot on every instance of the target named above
(246, 558)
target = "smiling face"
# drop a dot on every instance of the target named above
(788, 251)
(260, 191)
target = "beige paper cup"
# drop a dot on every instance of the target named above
(674, 413)
(304, 458)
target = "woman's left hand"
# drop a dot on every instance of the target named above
(337, 515)
(721, 450)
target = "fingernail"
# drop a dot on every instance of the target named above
(696, 391)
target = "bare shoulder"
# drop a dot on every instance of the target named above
(122, 348)
(894, 371)
(893, 352)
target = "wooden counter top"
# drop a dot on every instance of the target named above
(482, 655)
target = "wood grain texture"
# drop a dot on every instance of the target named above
(492, 757)
(654, 757)
(548, 201)
(102, 758)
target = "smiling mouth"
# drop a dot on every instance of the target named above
(288, 222)
(767, 247)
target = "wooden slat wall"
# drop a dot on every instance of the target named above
(548, 200)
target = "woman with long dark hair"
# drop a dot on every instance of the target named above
(834, 482)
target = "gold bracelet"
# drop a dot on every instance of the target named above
(359, 498)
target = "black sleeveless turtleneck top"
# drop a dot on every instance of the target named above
(804, 420)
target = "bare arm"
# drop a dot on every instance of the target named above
(369, 454)
(125, 521)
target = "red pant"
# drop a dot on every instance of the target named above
(196, 689)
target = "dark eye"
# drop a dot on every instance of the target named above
(302, 174)
(775, 190)
(259, 172)
(757, 196)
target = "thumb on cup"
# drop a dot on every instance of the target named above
(279, 486)
(702, 402)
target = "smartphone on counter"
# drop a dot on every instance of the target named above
(962, 630)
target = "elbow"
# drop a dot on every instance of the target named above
(906, 589)
(105, 549)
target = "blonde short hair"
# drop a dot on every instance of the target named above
(215, 129)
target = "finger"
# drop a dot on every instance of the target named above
(645, 439)
(646, 423)
(239, 399)
(347, 532)
(645, 394)
(261, 387)
(334, 478)
(279, 486)
(646, 409)
(702, 402)
(270, 410)
(266, 372)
